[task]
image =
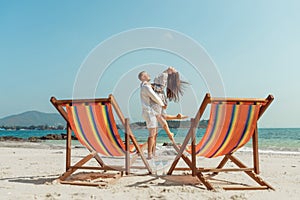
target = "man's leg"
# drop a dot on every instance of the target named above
(154, 145)
(151, 142)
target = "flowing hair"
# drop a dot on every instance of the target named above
(175, 87)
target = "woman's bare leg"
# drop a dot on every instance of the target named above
(154, 145)
(178, 116)
(165, 126)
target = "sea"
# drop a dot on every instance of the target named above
(271, 140)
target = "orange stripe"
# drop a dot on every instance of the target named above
(219, 121)
(208, 130)
(72, 120)
(114, 127)
(235, 116)
(222, 131)
(92, 128)
(110, 133)
(86, 126)
(253, 122)
(101, 125)
(229, 128)
(237, 131)
(110, 124)
(91, 117)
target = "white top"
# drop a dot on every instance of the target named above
(160, 83)
(161, 80)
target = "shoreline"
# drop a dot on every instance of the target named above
(61, 144)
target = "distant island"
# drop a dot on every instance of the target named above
(32, 120)
(35, 120)
(171, 123)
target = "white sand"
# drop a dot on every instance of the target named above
(27, 171)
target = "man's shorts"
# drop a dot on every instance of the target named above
(158, 110)
(150, 119)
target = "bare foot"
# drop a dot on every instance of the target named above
(181, 116)
(149, 157)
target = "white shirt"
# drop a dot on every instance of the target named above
(149, 97)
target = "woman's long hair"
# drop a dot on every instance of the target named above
(175, 87)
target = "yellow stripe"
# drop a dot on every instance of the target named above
(230, 134)
(91, 122)
(220, 110)
(77, 127)
(109, 131)
(252, 118)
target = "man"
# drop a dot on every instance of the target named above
(148, 99)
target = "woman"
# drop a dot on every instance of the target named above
(168, 79)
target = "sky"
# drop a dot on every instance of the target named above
(253, 47)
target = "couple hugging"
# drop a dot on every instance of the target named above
(154, 102)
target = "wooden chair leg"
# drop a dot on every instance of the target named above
(132, 138)
(127, 154)
(204, 181)
(222, 163)
(180, 153)
(68, 147)
(137, 155)
(99, 160)
(76, 166)
(252, 174)
(255, 151)
(140, 152)
(193, 142)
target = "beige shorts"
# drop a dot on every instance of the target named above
(150, 119)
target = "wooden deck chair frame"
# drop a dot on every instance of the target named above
(191, 136)
(70, 169)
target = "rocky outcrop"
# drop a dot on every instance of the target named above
(11, 138)
(61, 136)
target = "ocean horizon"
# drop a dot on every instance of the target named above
(277, 140)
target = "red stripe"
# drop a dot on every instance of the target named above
(237, 131)
(86, 126)
(71, 118)
(209, 129)
(104, 131)
(114, 127)
(220, 135)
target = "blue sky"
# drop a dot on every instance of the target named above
(254, 45)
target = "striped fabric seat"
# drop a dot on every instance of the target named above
(95, 127)
(232, 123)
(230, 127)
(93, 123)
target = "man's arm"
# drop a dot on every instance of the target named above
(153, 95)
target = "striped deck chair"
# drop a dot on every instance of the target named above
(232, 123)
(94, 125)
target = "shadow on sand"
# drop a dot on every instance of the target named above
(36, 180)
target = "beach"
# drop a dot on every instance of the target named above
(28, 171)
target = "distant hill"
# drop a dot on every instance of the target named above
(36, 118)
(33, 118)
(171, 123)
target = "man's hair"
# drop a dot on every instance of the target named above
(141, 74)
